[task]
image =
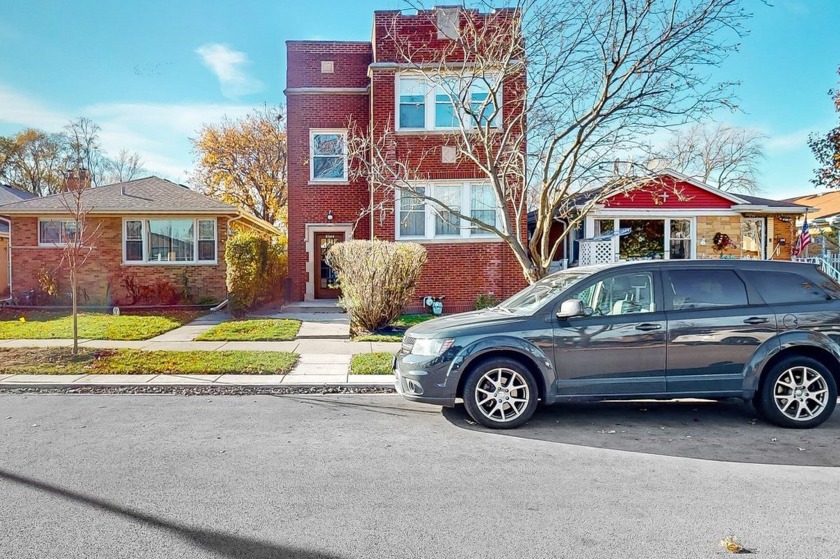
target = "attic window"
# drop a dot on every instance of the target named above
(327, 67)
(448, 23)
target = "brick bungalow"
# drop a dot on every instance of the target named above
(330, 84)
(675, 216)
(150, 229)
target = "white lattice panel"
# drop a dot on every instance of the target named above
(596, 252)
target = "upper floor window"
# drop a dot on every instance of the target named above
(445, 102)
(422, 218)
(56, 232)
(328, 155)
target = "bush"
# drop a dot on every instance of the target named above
(255, 267)
(377, 279)
(486, 300)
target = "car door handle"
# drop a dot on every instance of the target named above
(756, 320)
(648, 326)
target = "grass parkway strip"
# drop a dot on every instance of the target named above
(61, 361)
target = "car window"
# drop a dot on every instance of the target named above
(785, 287)
(535, 296)
(621, 294)
(705, 289)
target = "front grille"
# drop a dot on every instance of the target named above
(407, 344)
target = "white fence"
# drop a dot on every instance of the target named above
(829, 263)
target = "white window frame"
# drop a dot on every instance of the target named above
(430, 101)
(145, 240)
(312, 133)
(616, 219)
(48, 244)
(467, 231)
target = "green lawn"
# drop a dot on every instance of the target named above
(405, 321)
(58, 361)
(371, 364)
(94, 326)
(278, 330)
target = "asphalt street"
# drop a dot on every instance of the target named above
(375, 476)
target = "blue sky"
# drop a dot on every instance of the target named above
(150, 72)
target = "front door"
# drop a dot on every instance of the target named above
(325, 277)
(619, 347)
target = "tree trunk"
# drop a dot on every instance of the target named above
(75, 313)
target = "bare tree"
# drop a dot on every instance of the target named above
(124, 167)
(546, 98)
(78, 237)
(84, 149)
(724, 156)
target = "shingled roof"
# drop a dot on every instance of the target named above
(148, 195)
(9, 195)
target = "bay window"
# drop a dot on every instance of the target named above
(427, 219)
(169, 241)
(444, 102)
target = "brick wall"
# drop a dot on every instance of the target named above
(309, 203)
(708, 226)
(104, 266)
(460, 271)
(396, 33)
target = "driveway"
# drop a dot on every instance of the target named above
(374, 476)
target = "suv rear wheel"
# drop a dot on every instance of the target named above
(501, 394)
(798, 392)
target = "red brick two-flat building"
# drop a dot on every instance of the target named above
(381, 89)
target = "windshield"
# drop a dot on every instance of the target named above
(532, 298)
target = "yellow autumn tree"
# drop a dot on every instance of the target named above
(243, 162)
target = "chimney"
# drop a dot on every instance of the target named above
(76, 179)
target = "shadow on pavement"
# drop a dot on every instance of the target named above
(226, 545)
(729, 431)
(402, 409)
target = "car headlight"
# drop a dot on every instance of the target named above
(431, 346)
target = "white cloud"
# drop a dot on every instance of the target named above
(160, 133)
(797, 139)
(229, 67)
(17, 108)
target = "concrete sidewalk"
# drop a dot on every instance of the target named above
(333, 347)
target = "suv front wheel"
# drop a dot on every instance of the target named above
(798, 392)
(501, 394)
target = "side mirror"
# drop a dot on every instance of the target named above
(571, 308)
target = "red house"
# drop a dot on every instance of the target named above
(382, 89)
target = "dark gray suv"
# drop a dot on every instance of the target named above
(764, 331)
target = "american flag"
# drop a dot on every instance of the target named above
(803, 240)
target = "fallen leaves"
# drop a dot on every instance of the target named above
(732, 545)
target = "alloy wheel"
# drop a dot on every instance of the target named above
(502, 394)
(801, 393)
